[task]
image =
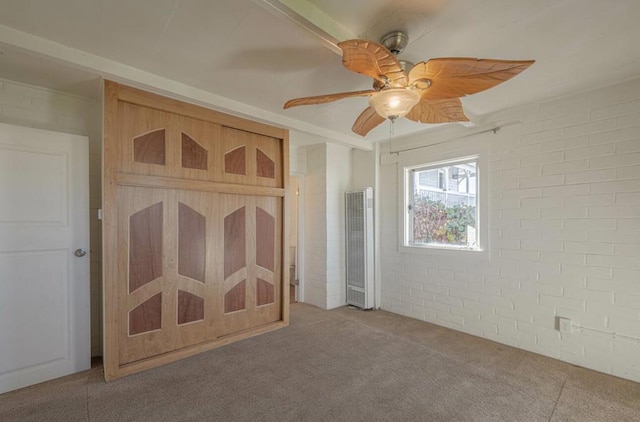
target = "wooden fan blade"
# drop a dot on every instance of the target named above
(321, 99)
(438, 111)
(460, 76)
(374, 60)
(366, 121)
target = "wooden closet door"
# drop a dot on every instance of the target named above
(194, 229)
(251, 271)
(170, 290)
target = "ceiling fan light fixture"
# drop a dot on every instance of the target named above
(394, 102)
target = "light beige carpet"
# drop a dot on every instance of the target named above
(341, 365)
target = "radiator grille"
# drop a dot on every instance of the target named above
(359, 247)
(355, 297)
(355, 239)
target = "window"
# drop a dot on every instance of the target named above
(442, 205)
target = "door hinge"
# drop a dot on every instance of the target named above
(100, 214)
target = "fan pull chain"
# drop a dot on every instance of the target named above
(392, 131)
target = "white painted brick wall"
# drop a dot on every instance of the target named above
(324, 274)
(564, 237)
(338, 182)
(315, 237)
(40, 108)
(297, 159)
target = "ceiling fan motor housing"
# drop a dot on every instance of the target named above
(406, 67)
(395, 41)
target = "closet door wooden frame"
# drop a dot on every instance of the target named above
(213, 187)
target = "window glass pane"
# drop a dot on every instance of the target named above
(444, 205)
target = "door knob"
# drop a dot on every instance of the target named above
(80, 253)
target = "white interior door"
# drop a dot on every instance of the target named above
(44, 286)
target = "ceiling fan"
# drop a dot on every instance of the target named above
(428, 92)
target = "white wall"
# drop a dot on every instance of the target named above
(315, 227)
(338, 182)
(563, 189)
(297, 159)
(36, 107)
(326, 181)
(363, 166)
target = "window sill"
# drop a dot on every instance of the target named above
(443, 247)
(443, 250)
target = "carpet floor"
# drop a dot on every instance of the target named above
(340, 365)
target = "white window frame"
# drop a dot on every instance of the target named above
(408, 209)
(474, 147)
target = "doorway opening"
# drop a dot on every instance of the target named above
(296, 236)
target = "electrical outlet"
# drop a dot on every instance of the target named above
(564, 325)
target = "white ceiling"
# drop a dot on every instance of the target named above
(240, 50)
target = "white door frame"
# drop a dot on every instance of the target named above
(300, 240)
